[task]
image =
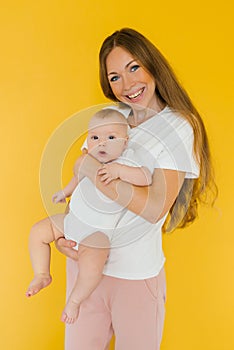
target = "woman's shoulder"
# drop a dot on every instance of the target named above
(174, 120)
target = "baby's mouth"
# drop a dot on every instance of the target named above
(136, 94)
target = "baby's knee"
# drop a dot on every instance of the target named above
(36, 227)
(40, 228)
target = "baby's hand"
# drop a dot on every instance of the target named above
(109, 172)
(59, 197)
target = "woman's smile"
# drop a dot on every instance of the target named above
(134, 96)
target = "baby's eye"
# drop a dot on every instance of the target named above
(94, 137)
(134, 67)
(111, 137)
(114, 78)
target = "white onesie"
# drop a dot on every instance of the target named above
(91, 211)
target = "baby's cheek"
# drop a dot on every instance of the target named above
(92, 149)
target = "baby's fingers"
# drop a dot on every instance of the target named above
(107, 181)
(63, 200)
(102, 171)
(55, 200)
(104, 177)
(103, 168)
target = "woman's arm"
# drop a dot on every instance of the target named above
(151, 202)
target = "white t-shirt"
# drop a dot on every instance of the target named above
(169, 139)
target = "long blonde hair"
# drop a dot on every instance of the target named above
(169, 91)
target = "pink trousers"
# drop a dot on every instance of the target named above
(132, 310)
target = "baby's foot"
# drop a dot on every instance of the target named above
(40, 281)
(70, 312)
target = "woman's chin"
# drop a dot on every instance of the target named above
(136, 106)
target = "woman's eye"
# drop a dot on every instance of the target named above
(134, 68)
(114, 78)
(94, 137)
(111, 137)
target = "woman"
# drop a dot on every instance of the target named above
(129, 301)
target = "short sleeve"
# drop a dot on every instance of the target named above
(169, 139)
(177, 152)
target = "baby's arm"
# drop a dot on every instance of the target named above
(93, 252)
(60, 196)
(139, 176)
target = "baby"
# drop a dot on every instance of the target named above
(92, 218)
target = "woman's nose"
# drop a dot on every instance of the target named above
(128, 82)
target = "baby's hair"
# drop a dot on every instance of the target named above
(110, 116)
(110, 112)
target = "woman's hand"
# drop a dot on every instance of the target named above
(65, 247)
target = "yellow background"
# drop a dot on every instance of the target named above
(49, 71)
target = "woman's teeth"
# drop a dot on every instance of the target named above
(138, 93)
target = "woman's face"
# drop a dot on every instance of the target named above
(129, 80)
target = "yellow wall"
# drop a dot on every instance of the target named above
(49, 71)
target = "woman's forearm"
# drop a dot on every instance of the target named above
(150, 202)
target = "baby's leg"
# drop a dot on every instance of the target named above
(42, 234)
(93, 252)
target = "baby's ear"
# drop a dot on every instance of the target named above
(84, 150)
(126, 141)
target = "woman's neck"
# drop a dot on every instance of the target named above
(140, 115)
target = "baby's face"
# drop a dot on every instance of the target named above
(106, 142)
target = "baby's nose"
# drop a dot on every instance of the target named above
(102, 143)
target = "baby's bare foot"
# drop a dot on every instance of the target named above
(40, 281)
(70, 312)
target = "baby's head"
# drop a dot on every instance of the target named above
(107, 135)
